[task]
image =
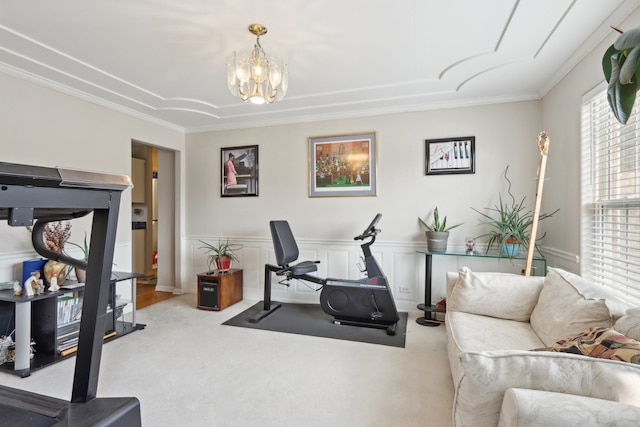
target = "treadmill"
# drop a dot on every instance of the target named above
(34, 196)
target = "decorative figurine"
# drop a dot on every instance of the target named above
(33, 285)
(38, 287)
(17, 288)
(53, 286)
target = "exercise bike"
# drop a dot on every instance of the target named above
(364, 302)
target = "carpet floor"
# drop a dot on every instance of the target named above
(188, 369)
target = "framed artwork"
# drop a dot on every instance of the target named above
(239, 171)
(343, 165)
(450, 155)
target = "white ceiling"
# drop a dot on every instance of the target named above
(165, 60)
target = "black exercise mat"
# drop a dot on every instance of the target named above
(309, 319)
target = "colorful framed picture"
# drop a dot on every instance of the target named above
(343, 165)
(239, 171)
(450, 155)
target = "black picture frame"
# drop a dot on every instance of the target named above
(446, 156)
(244, 182)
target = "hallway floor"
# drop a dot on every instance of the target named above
(146, 293)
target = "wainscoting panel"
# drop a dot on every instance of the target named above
(404, 281)
(253, 269)
(342, 260)
(560, 259)
(338, 262)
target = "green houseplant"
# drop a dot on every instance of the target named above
(620, 66)
(510, 223)
(81, 274)
(220, 256)
(437, 233)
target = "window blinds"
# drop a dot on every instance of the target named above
(610, 227)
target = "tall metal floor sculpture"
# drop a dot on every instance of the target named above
(543, 145)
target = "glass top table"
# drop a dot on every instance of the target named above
(481, 254)
(539, 267)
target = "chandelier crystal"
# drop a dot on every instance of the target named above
(253, 76)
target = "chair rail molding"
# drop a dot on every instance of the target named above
(403, 266)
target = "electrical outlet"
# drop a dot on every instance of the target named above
(405, 290)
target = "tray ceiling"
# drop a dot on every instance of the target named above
(165, 60)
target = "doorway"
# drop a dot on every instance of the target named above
(153, 219)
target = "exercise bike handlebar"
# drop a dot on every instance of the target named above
(368, 234)
(371, 231)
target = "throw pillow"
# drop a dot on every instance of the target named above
(603, 343)
(568, 305)
(629, 323)
(501, 295)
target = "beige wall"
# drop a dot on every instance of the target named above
(44, 127)
(505, 135)
(325, 227)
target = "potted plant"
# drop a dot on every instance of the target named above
(510, 223)
(220, 255)
(620, 65)
(55, 235)
(438, 233)
(81, 274)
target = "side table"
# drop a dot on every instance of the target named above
(219, 289)
(429, 319)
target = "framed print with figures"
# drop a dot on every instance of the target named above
(343, 165)
(239, 171)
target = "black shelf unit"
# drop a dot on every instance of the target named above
(45, 329)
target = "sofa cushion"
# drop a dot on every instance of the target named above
(603, 343)
(569, 304)
(501, 295)
(629, 324)
(487, 375)
(473, 332)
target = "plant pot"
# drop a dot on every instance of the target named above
(223, 263)
(81, 275)
(510, 249)
(437, 241)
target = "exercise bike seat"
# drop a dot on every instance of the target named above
(287, 250)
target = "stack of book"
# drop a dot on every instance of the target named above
(69, 309)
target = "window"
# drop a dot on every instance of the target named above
(611, 198)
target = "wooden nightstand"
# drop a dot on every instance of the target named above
(218, 290)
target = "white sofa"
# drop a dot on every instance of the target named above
(507, 366)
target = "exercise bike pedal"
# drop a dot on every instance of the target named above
(376, 315)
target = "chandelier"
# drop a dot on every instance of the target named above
(254, 76)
